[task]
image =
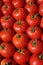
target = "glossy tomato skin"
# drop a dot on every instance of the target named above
(19, 39)
(7, 1)
(42, 37)
(7, 49)
(27, 1)
(35, 59)
(34, 32)
(31, 8)
(8, 61)
(7, 35)
(35, 46)
(22, 57)
(6, 9)
(19, 14)
(7, 21)
(41, 24)
(33, 20)
(39, 1)
(18, 3)
(41, 9)
(20, 26)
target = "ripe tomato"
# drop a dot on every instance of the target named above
(35, 46)
(22, 56)
(7, 1)
(7, 21)
(19, 14)
(34, 32)
(41, 9)
(39, 1)
(8, 61)
(41, 24)
(18, 3)
(20, 40)
(31, 8)
(20, 26)
(36, 60)
(27, 1)
(1, 3)
(0, 58)
(7, 49)
(33, 20)
(42, 37)
(7, 9)
(7, 34)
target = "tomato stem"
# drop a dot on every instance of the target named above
(19, 23)
(2, 47)
(41, 56)
(8, 63)
(31, 3)
(34, 43)
(5, 29)
(18, 36)
(7, 18)
(5, 6)
(33, 29)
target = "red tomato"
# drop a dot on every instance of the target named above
(18, 3)
(20, 40)
(22, 56)
(31, 8)
(41, 9)
(0, 14)
(34, 32)
(7, 34)
(39, 1)
(27, 1)
(7, 1)
(7, 21)
(0, 58)
(41, 24)
(33, 20)
(19, 14)
(8, 61)
(35, 46)
(7, 9)
(1, 3)
(36, 60)
(7, 49)
(42, 37)
(20, 26)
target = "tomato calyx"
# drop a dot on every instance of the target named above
(33, 29)
(18, 36)
(2, 46)
(7, 17)
(8, 63)
(31, 3)
(41, 56)
(5, 6)
(34, 43)
(19, 23)
(16, 9)
(20, 51)
(5, 29)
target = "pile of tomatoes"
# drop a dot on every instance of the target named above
(21, 32)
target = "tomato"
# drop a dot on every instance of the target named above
(34, 32)
(7, 49)
(19, 14)
(0, 58)
(22, 56)
(0, 14)
(20, 40)
(20, 26)
(35, 46)
(42, 37)
(7, 1)
(31, 8)
(41, 9)
(8, 61)
(36, 60)
(27, 1)
(1, 3)
(33, 20)
(7, 9)
(7, 21)
(41, 24)
(7, 34)
(39, 1)
(18, 3)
